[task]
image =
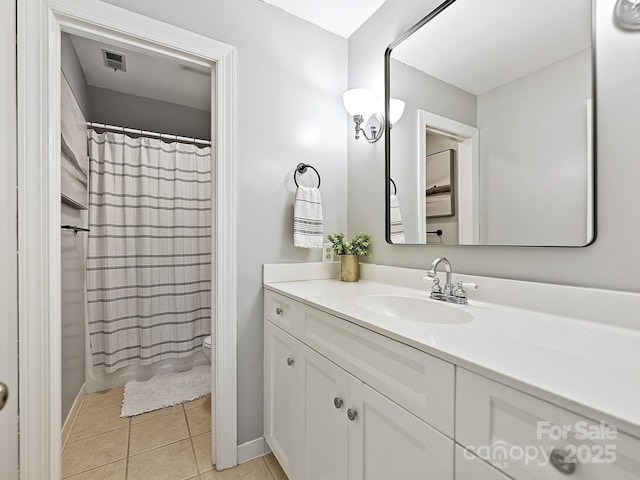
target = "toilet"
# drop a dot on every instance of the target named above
(206, 348)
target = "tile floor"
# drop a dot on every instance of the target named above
(169, 444)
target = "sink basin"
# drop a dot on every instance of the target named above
(414, 309)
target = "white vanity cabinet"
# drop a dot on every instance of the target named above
(339, 428)
(343, 402)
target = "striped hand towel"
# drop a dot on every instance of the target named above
(307, 218)
(397, 230)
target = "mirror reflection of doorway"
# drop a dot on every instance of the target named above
(458, 221)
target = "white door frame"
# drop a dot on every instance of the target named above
(40, 23)
(468, 208)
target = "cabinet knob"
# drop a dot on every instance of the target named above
(352, 414)
(337, 402)
(278, 311)
(290, 361)
(4, 394)
(561, 463)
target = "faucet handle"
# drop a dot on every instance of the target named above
(435, 288)
(460, 289)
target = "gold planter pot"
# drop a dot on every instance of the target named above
(349, 268)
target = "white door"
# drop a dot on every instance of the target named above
(8, 245)
(322, 422)
(280, 350)
(387, 442)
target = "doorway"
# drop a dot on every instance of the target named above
(464, 140)
(40, 218)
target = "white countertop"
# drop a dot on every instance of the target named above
(588, 367)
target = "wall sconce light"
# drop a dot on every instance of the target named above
(627, 14)
(361, 103)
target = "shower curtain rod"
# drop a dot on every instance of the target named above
(144, 133)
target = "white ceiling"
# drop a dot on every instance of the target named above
(342, 17)
(149, 76)
(465, 46)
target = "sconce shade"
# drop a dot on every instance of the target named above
(396, 109)
(358, 101)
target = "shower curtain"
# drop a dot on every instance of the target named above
(149, 252)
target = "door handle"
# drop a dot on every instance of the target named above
(4, 394)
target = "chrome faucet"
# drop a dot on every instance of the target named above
(433, 271)
(450, 293)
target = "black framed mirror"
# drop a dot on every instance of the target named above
(508, 86)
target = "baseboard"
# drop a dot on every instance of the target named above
(75, 408)
(253, 449)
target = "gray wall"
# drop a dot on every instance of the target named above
(544, 181)
(72, 70)
(612, 261)
(73, 288)
(291, 76)
(73, 259)
(124, 110)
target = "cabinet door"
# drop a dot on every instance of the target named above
(280, 396)
(322, 405)
(470, 467)
(387, 442)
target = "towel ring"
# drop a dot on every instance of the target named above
(302, 168)
(395, 189)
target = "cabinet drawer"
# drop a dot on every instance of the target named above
(519, 434)
(421, 383)
(282, 311)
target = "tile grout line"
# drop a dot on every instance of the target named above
(193, 448)
(126, 463)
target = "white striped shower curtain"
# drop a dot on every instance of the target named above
(149, 254)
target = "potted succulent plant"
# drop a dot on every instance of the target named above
(350, 252)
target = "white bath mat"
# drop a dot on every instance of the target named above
(165, 390)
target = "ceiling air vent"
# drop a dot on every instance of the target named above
(114, 60)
